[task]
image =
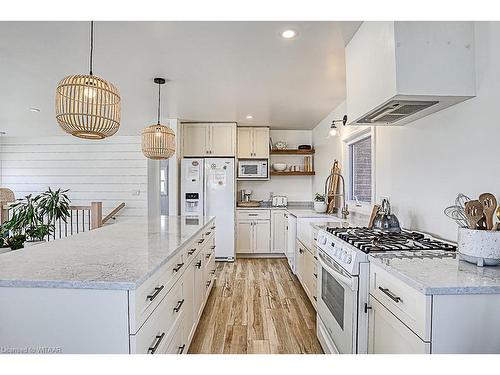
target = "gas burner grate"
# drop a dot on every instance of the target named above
(373, 240)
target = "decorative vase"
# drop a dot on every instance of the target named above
(320, 207)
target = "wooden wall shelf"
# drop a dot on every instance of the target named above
(292, 152)
(288, 173)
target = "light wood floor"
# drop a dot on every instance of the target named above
(256, 306)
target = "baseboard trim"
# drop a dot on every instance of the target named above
(263, 255)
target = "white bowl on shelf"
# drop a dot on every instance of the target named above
(279, 167)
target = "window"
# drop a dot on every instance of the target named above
(360, 170)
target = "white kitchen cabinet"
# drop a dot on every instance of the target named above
(388, 335)
(262, 236)
(278, 229)
(306, 271)
(244, 237)
(253, 142)
(209, 139)
(253, 230)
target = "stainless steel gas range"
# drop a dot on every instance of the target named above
(343, 280)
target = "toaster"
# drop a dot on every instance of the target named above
(279, 201)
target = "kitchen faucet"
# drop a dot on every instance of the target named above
(344, 210)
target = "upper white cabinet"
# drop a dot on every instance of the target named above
(397, 72)
(253, 142)
(209, 139)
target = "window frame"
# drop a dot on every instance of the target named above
(347, 141)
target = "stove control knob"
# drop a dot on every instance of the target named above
(344, 255)
(349, 259)
(322, 240)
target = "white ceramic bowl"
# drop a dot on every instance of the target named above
(279, 167)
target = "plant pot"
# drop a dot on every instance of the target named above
(481, 247)
(320, 207)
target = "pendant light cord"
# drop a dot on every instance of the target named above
(91, 45)
(159, 96)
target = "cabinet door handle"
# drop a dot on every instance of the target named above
(157, 291)
(367, 308)
(301, 251)
(201, 241)
(212, 228)
(191, 251)
(208, 233)
(179, 305)
(391, 295)
(178, 267)
(315, 257)
(181, 349)
(212, 272)
(198, 265)
(315, 298)
(208, 283)
(212, 247)
(154, 348)
(208, 255)
(315, 275)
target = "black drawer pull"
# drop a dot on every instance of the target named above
(212, 227)
(301, 251)
(315, 275)
(208, 283)
(157, 291)
(179, 305)
(208, 233)
(201, 241)
(315, 298)
(154, 348)
(253, 214)
(212, 247)
(315, 257)
(212, 272)
(178, 267)
(198, 265)
(208, 255)
(391, 295)
(181, 349)
(191, 251)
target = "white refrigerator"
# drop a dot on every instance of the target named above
(208, 189)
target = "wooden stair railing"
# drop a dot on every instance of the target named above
(113, 213)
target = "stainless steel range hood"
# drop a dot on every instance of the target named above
(394, 111)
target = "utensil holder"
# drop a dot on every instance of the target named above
(480, 247)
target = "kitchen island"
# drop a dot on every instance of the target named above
(133, 287)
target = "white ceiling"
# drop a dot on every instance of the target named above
(217, 71)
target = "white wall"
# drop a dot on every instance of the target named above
(296, 188)
(112, 170)
(422, 166)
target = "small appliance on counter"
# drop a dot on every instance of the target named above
(246, 199)
(279, 201)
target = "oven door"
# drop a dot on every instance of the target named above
(338, 303)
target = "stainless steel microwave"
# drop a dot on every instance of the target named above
(253, 169)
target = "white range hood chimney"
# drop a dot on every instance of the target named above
(397, 72)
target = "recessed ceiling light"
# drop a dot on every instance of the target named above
(33, 109)
(249, 117)
(289, 34)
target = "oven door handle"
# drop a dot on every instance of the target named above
(347, 281)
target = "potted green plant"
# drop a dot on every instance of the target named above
(33, 218)
(319, 203)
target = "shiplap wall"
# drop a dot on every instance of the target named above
(112, 170)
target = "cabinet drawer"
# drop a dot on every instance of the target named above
(387, 335)
(410, 306)
(176, 344)
(209, 232)
(155, 332)
(145, 299)
(254, 215)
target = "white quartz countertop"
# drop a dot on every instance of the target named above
(117, 256)
(298, 212)
(440, 275)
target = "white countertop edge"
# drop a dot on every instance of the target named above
(441, 290)
(101, 285)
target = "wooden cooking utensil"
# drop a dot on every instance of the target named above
(474, 213)
(489, 203)
(375, 209)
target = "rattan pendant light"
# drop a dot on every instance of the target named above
(158, 141)
(88, 106)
